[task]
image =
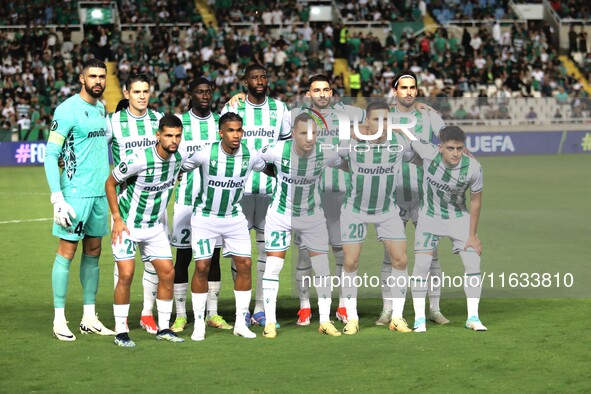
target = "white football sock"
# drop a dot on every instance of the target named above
(180, 299)
(271, 287)
(399, 281)
(261, 259)
(164, 308)
(386, 290)
(199, 300)
(339, 257)
(213, 294)
(322, 278)
(350, 294)
(150, 283)
(303, 270)
(242, 302)
(121, 312)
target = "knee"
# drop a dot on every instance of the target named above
(125, 277)
(243, 265)
(166, 274)
(400, 262)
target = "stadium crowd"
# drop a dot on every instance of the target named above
(40, 68)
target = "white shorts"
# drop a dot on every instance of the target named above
(254, 208)
(181, 227)
(153, 244)
(430, 230)
(409, 211)
(354, 226)
(310, 230)
(331, 205)
(233, 232)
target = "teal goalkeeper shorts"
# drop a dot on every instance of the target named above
(92, 215)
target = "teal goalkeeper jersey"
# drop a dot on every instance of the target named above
(85, 151)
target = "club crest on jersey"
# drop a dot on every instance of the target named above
(273, 114)
(318, 164)
(244, 163)
(177, 165)
(462, 178)
(154, 124)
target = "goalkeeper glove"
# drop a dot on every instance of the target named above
(62, 211)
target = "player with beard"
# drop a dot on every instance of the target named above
(78, 134)
(266, 121)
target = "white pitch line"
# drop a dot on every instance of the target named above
(26, 220)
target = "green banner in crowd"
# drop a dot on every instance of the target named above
(405, 27)
(99, 16)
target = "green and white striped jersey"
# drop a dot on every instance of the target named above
(445, 188)
(409, 184)
(263, 124)
(128, 134)
(333, 179)
(150, 181)
(223, 178)
(197, 133)
(298, 178)
(374, 169)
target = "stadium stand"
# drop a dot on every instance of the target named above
(473, 64)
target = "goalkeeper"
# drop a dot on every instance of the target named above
(78, 134)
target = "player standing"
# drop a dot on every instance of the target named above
(150, 176)
(300, 163)
(78, 134)
(266, 120)
(130, 130)
(409, 192)
(200, 128)
(224, 167)
(448, 174)
(374, 166)
(333, 187)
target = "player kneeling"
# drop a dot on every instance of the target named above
(150, 176)
(448, 175)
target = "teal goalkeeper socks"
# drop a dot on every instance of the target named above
(89, 277)
(59, 280)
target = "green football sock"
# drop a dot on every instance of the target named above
(59, 280)
(89, 277)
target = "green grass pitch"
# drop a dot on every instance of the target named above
(535, 219)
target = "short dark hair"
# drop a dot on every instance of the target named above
(376, 105)
(170, 120)
(230, 117)
(93, 63)
(140, 77)
(253, 67)
(318, 78)
(199, 81)
(452, 133)
(303, 117)
(406, 74)
(122, 104)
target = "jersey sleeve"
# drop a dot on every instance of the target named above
(476, 180)
(267, 153)
(259, 163)
(128, 168)
(285, 132)
(437, 123)
(332, 159)
(424, 149)
(60, 127)
(194, 161)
